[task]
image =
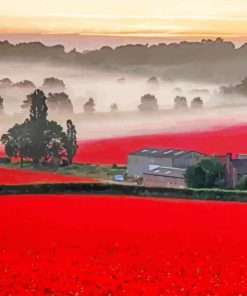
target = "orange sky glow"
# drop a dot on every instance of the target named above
(164, 18)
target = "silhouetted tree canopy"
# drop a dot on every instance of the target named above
(25, 84)
(5, 82)
(180, 102)
(153, 80)
(148, 103)
(53, 85)
(196, 58)
(59, 102)
(71, 144)
(39, 139)
(89, 106)
(17, 142)
(38, 109)
(1, 105)
(197, 103)
(239, 89)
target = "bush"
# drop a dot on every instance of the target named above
(206, 173)
(242, 184)
(5, 160)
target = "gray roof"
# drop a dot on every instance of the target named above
(160, 152)
(240, 165)
(167, 172)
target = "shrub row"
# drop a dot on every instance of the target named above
(115, 189)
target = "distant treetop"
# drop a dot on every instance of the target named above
(197, 103)
(53, 84)
(148, 103)
(89, 106)
(180, 102)
(25, 84)
(153, 80)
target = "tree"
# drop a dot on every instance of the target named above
(52, 84)
(180, 102)
(153, 83)
(114, 107)
(5, 83)
(17, 141)
(39, 139)
(197, 103)
(206, 173)
(148, 103)
(1, 106)
(71, 145)
(25, 84)
(38, 109)
(153, 80)
(26, 104)
(48, 141)
(242, 184)
(89, 106)
(59, 102)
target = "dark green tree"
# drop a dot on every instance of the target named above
(1, 105)
(206, 173)
(39, 139)
(242, 184)
(17, 142)
(38, 109)
(72, 145)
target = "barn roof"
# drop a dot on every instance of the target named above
(160, 152)
(167, 172)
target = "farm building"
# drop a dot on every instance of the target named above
(235, 168)
(165, 177)
(146, 159)
(166, 167)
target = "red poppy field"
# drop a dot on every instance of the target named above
(115, 150)
(103, 245)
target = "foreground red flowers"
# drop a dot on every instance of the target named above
(18, 176)
(88, 245)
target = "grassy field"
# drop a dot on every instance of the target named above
(101, 172)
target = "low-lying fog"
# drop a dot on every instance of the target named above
(105, 89)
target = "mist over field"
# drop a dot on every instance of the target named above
(219, 82)
(102, 86)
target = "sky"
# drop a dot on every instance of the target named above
(167, 18)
